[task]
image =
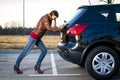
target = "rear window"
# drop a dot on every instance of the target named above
(76, 16)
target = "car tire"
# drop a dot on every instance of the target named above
(81, 65)
(102, 63)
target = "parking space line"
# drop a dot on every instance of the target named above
(48, 75)
(54, 69)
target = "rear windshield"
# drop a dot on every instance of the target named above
(76, 16)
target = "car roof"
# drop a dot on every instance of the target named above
(99, 6)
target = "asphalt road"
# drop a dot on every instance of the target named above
(54, 67)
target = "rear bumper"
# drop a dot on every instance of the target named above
(68, 54)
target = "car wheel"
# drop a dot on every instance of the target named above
(102, 63)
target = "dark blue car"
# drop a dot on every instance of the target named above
(91, 39)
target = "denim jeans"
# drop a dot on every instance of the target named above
(29, 46)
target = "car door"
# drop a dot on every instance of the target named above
(114, 23)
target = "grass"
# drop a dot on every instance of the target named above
(19, 42)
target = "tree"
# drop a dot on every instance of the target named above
(89, 2)
(12, 24)
(97, 1)
(108, 1)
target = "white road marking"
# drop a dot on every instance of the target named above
(48, 75)
(54, 69)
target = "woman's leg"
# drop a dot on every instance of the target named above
(43, 49)
(29, 46)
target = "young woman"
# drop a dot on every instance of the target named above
(35, 36)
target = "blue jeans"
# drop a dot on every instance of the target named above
(29, 46)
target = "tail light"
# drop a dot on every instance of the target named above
(77, 29)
